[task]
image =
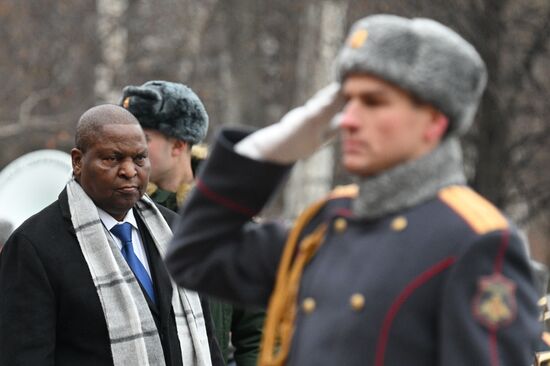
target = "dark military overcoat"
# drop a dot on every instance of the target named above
(446, 282)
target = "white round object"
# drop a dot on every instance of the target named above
(32, 182)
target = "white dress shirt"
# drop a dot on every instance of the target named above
(109, 221)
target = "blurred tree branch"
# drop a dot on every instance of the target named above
(27, 122)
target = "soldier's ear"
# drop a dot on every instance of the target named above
(439, 123)
(76, 159)
(179, 147)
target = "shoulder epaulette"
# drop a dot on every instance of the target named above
(348, 191)
(183, 191)
(199, 151)
(478, 213)
(151, 188)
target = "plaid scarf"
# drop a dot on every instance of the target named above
(132, 331)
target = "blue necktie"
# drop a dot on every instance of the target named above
(124, 233)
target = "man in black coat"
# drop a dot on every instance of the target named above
(75, 291)
(409, 266)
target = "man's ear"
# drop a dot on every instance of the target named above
(76, 159)
(439, 123)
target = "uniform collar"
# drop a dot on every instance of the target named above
(410, 183)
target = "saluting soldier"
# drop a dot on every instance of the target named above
(409, 266)
(175, 122)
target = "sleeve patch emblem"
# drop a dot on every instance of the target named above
(495, 305)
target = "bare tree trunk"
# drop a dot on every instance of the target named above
(322, 36)
(113, 39)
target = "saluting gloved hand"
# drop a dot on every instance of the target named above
(299, 133)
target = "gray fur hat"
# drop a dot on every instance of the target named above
(420, 56)
(172, 108)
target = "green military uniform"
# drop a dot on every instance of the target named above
(240, 328)
(165, 198)
(243, 328)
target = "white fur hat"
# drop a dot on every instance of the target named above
(421, 56)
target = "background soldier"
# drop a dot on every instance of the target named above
(175, 120)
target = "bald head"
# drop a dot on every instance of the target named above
(90, 124)
(110, 161)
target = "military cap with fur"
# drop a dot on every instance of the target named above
(421, 56)
(171, 108)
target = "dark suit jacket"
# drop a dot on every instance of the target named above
(50, 313)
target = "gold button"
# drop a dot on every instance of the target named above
(308, 305)
(340, 224)
(399, 223)
(357, 302)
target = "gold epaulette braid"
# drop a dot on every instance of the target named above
(151, 188)
(279, 324)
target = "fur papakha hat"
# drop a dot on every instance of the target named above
(171, 108)
(422, 57)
